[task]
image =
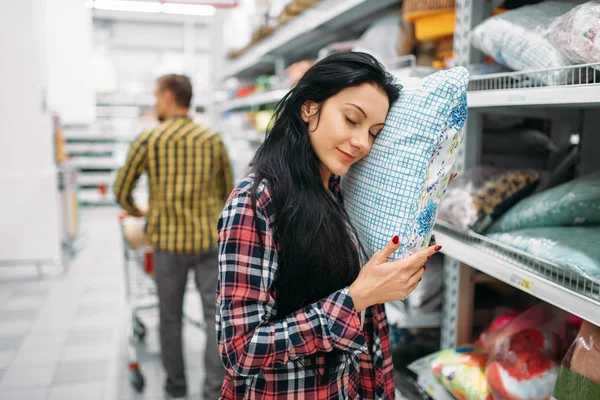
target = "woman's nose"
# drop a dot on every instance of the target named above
(360, 142)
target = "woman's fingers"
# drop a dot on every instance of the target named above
(390, 248)
(452, 177)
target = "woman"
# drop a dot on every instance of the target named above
(297, 316)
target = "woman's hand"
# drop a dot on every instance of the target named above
(381, 280)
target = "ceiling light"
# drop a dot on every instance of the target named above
(153, 7)
(127, 5)
(187, 9)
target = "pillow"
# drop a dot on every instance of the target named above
(397, 187)
(573, 203)
(516, 39)
(575, 249)
(577, 33)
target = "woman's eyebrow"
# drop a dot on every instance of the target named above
(361, 110)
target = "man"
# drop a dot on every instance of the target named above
(189, 178)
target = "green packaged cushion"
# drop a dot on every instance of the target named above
(575, 203)
(575, 249)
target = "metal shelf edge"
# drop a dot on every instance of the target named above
(566, 96)
(541, 288)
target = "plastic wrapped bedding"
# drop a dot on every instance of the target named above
(575, 249)
(481, 195)
(577, 33)
(518, 40)
(573, 203)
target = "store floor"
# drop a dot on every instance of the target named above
(64, 336)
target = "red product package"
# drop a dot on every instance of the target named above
(524, 353)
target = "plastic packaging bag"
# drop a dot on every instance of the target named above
(575, 249)
(573, 203)
(523, 354)
(398, 34)
(577, 33)
(462, 372)
(517, 40)
(480, 196)
(580, 372)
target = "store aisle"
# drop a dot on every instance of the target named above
(64, 337)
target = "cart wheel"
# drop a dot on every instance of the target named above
(137, 380)
(139, 330)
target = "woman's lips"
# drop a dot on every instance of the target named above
(348, 158)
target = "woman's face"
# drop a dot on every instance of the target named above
(346, 127)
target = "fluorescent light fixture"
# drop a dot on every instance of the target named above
(127, 5)
(188, 9)
(153, 7)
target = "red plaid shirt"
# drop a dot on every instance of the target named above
(263, 357)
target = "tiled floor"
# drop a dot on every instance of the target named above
(63, 337)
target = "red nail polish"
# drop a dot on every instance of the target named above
(424, 267)
(428, 258)
(438, 248)
(396, 239)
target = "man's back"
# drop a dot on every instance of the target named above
(189, 178)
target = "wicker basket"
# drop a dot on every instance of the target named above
(414, 9)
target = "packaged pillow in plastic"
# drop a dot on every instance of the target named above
(577, 33)
(517, 40)
(523, 367)
(481, 195)
(399, 32)
(429, 295)
(574, 249)
(462, 372)
(579, 376)
(524, 353)
(575, 203)
(397, 187)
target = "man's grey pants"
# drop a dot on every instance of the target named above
(171, 271)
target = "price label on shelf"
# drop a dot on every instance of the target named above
(523, 283)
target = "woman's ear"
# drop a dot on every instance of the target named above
(308, 109)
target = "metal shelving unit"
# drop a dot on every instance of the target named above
(570, 101)
(573, 86)
(549, 282)
(309, 32)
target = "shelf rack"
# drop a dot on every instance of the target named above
(547, 281)
(573, 86)
(310, 31)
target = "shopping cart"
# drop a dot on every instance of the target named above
(140, 291)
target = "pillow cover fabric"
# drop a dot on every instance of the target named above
(516, 39)
(396, 189)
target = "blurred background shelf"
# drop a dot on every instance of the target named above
(312, 30)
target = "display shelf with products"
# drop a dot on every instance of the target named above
(257, 99)
(555, 285)
(404, 320)
(310, 31)
(574, 86)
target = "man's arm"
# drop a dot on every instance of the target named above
(225, 173)
(129, 174)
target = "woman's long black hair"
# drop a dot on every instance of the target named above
(316, 255)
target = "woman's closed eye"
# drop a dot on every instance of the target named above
(350, 121)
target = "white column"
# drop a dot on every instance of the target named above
(28, 187)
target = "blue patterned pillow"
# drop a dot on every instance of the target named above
(397, 188)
